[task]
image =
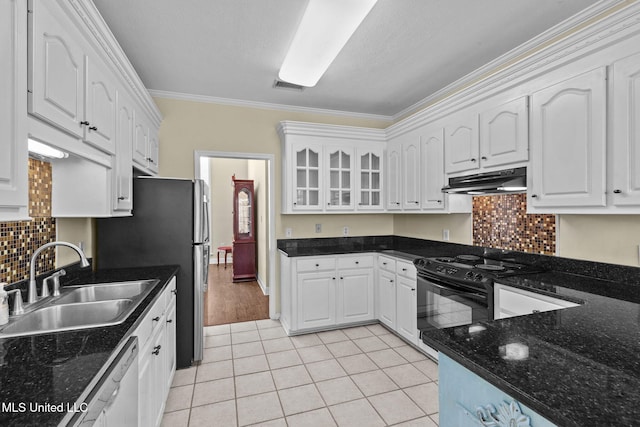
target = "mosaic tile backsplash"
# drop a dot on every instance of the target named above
(502, 222)
(18, 240)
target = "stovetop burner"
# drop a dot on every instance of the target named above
(469, 257)
(490, 267)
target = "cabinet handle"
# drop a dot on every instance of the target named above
(404, 269)
(413, 289)
(534, 196)
(121, 198)
(174, 291)
(156, 350)
(155, 319)
(93, 128)
(390, 280)
(535, 311)
(473, 160)
(483, 158)
(295, 203)
(333, 278)
(170, 321)
(397, 203)
(84, 122)
(317, 265)
(439, 201)
(384, 263)
(357, 262)
(342, 278)
(617, 191)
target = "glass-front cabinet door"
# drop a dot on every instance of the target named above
(340, 178)
(369, 176)
(306, 186)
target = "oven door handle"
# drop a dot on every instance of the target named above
(452, 288)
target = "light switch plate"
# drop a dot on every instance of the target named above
(318, 228)
(445, 235)
(288, 232)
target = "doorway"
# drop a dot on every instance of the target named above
(226, 301)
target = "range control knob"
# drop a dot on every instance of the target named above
(477, 277)
(469, 274)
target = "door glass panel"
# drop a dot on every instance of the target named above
(313, 159)
(364, 196)
(364, 180)
(334, 197)
(334, 160)
(244, 212)
(375, 180)
(301, 197)
(346, 198)
(301, 158)
(375, 162)
(301, 177)
(346, 179)
(375, 198)
(313, 179)
(364, 162)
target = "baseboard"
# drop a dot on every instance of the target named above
(265, 289)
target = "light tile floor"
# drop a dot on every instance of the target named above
(253, 374)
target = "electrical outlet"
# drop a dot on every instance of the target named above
(288, 232)
(318, 228)
(345, 231)
(445, 235)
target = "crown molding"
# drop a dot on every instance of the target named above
(107, 46)
(288, 127)
(577, 36)
(264, 105)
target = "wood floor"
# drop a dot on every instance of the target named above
(228, 302)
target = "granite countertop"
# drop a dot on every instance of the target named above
(583, 367)
(57, 368)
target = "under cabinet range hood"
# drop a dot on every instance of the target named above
(499, 182)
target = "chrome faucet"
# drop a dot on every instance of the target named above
(33, 293)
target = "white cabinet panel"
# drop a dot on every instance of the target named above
(316, 299)
(387, 298)
(568, 132)
(339, 163)
(625, 142)
(307, 177)
(394, 175)
(432, 151)
(355, 295)
(411, 173)
(123, 186)
(369, 179)
(406, 309)
(461, 144)
(100, 110)
(504, 134)
(13, 111)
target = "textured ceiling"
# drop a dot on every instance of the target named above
(404, 51)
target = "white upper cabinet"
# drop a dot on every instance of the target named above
(568, 139)
(369, 178)
(123, 176)
(340, 177)
(394, 175)
(100, 111)
(57, 71)
(461, 143)
(411, 173)
(145, 145)
(625, 142)
(13, 111)
(504, 134)
(432, 180)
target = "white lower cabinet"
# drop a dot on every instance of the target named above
(156, 360)
(387, 298)
(355, 295)
(316, 300)
(397, 301)
(406, 316)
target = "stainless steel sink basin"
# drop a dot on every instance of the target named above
(69, 316)
(81, 307)
(105, 291)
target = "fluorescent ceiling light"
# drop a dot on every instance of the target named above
(325, 28)
(513, 188)
(45, 150)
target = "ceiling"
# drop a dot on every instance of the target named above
(404, 51)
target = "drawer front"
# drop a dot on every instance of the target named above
(386, 263)
(406, 269)
(360, 261)
(315, 264)
(149, 325)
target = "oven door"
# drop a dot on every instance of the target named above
(444, 305)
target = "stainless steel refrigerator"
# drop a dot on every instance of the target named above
(170, 225)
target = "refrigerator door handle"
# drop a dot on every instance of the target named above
(198, 303)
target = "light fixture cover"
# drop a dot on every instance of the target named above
(44, 150)
(325, 28)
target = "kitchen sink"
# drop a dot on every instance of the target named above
(81, 307)
(69, 316)
(105, 291)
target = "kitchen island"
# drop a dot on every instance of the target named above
(59, 370)
(577, 366)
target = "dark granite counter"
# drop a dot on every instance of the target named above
(583, 367)
(60, 368)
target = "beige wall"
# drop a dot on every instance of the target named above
(73, 230)
(603, 238)
(430, 226)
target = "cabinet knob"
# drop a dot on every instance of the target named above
(439, 201)
(84, 122)
(473, 160)
(384, 263)
(357, 262)
(404, 269)
(483, 158)
(342, 278)
(617, 191)
(155, 319)
(534, 196)
(174, 291)
(121, 198)
(156, 350)
(317, 265)
(170, 321)
(333, 278)
(390, 280)
(413, 289)
(93, 128)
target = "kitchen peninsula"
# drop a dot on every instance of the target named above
(573, 367)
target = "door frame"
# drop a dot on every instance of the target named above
(198, 155)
